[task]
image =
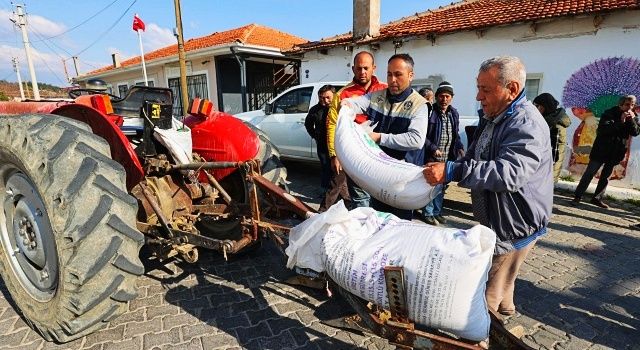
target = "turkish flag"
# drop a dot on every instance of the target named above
(137, 23)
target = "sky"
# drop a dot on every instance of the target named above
(94, 29)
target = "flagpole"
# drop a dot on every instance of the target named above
(144, 67)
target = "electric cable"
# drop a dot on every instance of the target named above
(49, 68)
(81, 23)
(108, 29)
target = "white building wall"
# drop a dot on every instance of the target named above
(555, 50)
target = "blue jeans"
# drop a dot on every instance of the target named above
(359, 197)
(434, 208)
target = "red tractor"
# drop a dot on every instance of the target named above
(84, 183)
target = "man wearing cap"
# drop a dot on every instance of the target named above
(442, 144)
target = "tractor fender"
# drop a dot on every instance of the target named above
(101, 125)
(222, 138)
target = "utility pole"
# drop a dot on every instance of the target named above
(21, 21)
(181, 59)
(66, 73)
(17, 69)
(75, 64)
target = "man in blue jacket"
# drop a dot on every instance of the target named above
(508, 168)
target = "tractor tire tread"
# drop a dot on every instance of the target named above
(93, 220)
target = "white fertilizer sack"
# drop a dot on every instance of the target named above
(394, 182)
(445, 269)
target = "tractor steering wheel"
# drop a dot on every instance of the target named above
(75, 93)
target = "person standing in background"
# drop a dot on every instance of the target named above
(316, 125)
(427, 93)
(558, 122)
(363, 82)
(442, 144)
(616, 125)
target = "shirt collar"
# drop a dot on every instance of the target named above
(399, 97)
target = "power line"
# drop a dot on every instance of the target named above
(35, 32)
(88, 64)
(108, 29)
(81, 23)
(50, 70)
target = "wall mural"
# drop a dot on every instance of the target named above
(589, 92)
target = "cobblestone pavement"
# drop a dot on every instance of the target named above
(579, 289)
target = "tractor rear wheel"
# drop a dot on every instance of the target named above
(69, 254)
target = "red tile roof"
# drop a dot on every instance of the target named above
(253, 34)
(478, 14)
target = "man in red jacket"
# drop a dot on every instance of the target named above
(363, 82)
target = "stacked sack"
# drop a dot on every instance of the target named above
(445, 269)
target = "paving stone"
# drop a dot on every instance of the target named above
(135, 316)
(32, 345)
(145, 302)
(139, 328)
(105, 335)
(172, 336)
(169, 322)
(219, 341)
(197, 330)
(289, 307)
(246, 334)
(155, 289)
(301, 336)
(584, 330)
(547, 339)
(194, 304)
(256, 316)
(178, 293)
(231, 322)
(127, 344)
(306, 317)
(574, 343)
(282, 341)
(280, 324)
(194, 344)
(161, 311)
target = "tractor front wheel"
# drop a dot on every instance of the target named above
(69, 247)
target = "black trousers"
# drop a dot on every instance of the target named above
(589, 173)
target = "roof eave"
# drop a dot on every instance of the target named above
(215, 50)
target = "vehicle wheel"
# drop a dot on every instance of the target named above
(70, 249)
(269, 155)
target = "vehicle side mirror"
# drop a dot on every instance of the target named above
(268, 108)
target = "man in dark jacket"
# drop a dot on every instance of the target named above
(609, 147)
(316, 125)
(442, 144)
(558, 122)
(508, 169)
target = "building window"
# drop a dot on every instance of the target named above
(532, 85)
(196, 87)
(122, 90)
(149, 83)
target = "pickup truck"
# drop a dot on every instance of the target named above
(282, 120)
